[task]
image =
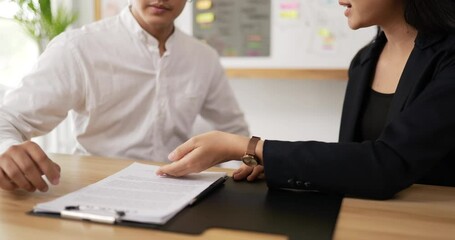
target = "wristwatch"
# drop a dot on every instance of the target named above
(250, 158)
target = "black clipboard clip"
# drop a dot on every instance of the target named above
(92, 213)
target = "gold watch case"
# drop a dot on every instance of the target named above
(250, 160)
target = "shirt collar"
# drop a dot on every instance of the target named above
(133, 26)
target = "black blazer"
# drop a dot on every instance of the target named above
(417, 145)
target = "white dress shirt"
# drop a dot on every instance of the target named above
(125, 100)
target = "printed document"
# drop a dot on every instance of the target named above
(138, 193)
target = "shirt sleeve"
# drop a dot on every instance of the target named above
(221, 108)
(45, 95)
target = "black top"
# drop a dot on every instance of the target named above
(415, 146)
(374, 114)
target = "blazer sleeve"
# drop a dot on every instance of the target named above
(416, 140)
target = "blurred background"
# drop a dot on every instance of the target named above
(281, 108)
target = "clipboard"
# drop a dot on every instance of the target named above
(115, 216)
(254, 207)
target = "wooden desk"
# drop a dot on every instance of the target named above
(420, 212)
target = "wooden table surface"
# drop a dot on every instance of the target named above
(420, 212)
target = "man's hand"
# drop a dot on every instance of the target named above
(21, 167)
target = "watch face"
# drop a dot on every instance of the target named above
(249, 160)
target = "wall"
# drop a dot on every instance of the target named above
(292, 109)
(302, 33)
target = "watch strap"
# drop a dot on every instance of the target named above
(251, 149)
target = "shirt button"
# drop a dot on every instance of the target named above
(307, 184)
(291, 181)
(299, 183)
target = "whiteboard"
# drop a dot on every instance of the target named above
(315, 36)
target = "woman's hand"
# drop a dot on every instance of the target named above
(250, 173)
(204, 151)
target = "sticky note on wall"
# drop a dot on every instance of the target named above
(204, 4)
(290, 5)
(289, 14)
(289, 10)
(203, 18)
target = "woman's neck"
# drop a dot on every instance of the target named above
(400, 35)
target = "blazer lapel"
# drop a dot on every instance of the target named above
(353, 102)
(359, 83)
(413, 73)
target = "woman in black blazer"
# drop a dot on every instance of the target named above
(398, 122)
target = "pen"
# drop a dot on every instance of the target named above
(209, 189)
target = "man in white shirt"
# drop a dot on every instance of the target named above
(133, 84)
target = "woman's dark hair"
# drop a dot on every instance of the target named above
(430, 16)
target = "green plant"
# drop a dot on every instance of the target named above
(41, 22)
